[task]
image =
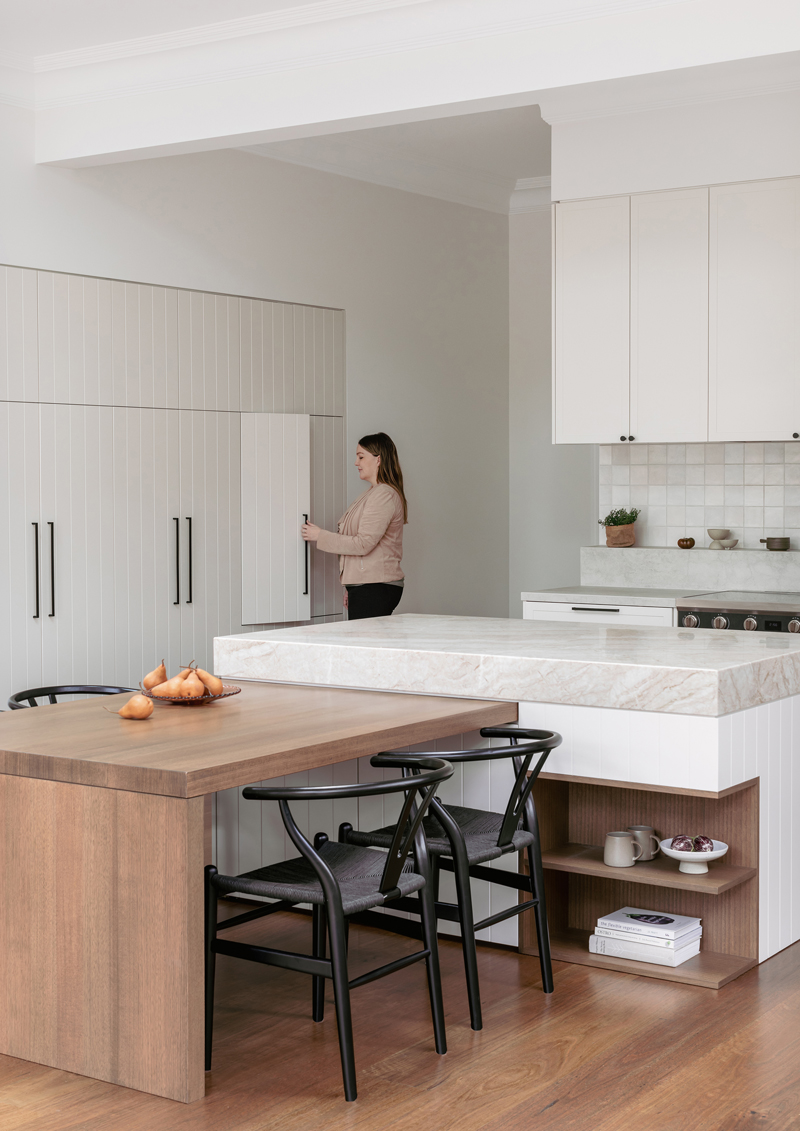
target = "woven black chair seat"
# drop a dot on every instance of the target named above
(358, 872)
(480, 829)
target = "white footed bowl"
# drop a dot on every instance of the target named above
(694, 862)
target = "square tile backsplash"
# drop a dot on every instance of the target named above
(681, 489)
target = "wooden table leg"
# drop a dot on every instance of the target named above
(101, 922)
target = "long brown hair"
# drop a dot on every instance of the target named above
(389, 470)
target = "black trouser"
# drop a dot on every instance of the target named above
(374, 600)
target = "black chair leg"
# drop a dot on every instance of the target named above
(341, 993)
(540, 917)
(428, 917)
(318, 931)
(211, 957)
(468, 944)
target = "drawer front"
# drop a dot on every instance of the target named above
(599, 614)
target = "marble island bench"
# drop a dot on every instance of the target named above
(689, 731)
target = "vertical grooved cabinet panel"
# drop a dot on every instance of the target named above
(592, 317)
(210, 484)
(19, 346)
(335, 387)
(21, 653)
(275, 493)
(327, 507)
(76, 498)
(208, 351)
(754, 348)
(669, 316)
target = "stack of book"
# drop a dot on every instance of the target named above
(647, 936)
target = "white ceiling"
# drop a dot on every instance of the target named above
(44, 27)
(475, 159)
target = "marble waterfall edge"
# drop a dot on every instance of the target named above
(665, 670)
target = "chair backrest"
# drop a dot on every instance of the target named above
(419, 791)
(520, 803)
(20, 699)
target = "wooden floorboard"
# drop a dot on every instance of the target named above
(605, 1052)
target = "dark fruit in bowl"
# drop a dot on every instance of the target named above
(682, 844)
(703, 844)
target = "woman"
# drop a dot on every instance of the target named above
(370, 538)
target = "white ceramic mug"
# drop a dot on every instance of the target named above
(645, 837)
(621, 850)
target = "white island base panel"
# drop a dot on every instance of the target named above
(707, 754)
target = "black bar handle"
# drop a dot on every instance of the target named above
(35, 526)
(52, 526)
(177, 522)
(189, 598)
(305, 591)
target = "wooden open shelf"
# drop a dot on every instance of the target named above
(574, 816)
(706, 969)
(587, 860)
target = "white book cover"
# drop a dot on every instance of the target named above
(622, 948)
(638, 921)
(651, 940)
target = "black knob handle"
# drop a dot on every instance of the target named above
(623, 438)
(631, 437)
(796, 435)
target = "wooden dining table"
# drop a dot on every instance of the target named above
(102, 846)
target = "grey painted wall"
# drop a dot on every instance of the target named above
(552, 493)
(424, 284)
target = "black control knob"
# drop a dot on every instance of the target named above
(750, 623)
(691, 620)
(720, 621)
(796, 435)
(631, 437)
(794, 625)
(623, 438)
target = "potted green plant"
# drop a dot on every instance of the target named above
(619, 526)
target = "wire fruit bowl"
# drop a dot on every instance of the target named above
(228, 689)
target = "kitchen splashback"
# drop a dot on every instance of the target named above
(681, 489)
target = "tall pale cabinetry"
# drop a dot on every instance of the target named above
(123, 411)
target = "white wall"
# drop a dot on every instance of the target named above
(704, 143)
(551, 490)
(424, 284)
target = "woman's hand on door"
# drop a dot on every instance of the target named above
(310, 532)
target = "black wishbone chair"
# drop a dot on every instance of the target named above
(20, 698)
(339, 881)
(463, 840)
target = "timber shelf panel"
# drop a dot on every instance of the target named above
(587, 860)
(706, 969)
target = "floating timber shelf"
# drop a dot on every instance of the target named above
(587, 860)
(706, 969)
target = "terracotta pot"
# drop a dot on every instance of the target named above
(620, 535)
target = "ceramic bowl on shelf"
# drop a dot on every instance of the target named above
(694, 862)
(728, 543)
(716, 534)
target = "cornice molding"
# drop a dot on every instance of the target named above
(317, 34)
(531, 194)
(322, 11)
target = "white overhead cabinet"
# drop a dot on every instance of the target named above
(669, 317)
(755, 311)
(276, 500)
(631, 319)
(591, 313)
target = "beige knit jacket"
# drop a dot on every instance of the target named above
(370, 538)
